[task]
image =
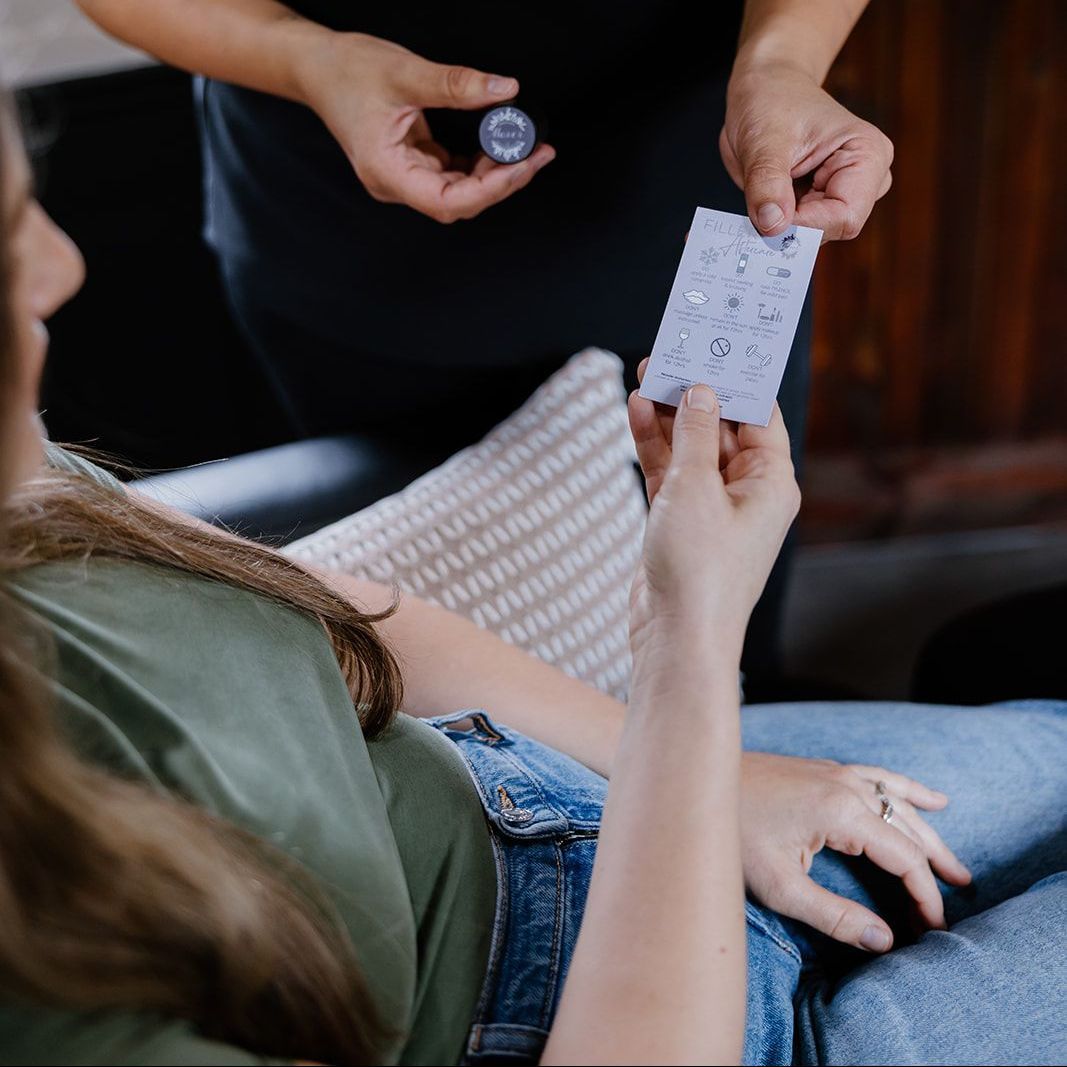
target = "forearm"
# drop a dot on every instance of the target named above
(658, 974)
(259, 44)
(449, 663)
(805, 34)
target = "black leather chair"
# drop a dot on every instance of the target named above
(282, 493)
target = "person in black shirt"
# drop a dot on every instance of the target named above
(376, 263)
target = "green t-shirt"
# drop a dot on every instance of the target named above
(238, 704)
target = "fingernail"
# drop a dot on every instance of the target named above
(769, 215)
(875, 939)
(501, 86)
(701, 398)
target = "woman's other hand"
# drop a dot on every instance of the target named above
(793, 808)
(372, 95)
(722, 498)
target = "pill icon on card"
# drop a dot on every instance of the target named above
(779, 272)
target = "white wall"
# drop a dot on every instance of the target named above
(48, 40)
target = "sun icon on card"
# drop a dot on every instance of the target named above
(733, 303)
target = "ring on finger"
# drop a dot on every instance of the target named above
(883, 799)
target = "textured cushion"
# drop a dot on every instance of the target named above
(533, 533)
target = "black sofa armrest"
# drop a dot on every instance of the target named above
(286, 492)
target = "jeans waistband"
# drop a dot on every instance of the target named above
(544, 813)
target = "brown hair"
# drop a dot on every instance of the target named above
(116, 896)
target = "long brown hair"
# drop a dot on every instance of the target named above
(115, 896)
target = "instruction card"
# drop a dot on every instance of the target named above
(732, 314)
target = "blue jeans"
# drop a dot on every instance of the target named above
(989, 990)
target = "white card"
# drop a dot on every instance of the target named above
(732, 314)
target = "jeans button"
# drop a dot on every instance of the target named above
(516, 815)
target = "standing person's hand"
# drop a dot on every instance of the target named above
(782, 127)
(371, 94)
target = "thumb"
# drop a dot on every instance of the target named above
(768, 189)
(427, 84)
(695, 442)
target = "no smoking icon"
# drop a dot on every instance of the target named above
(720, 347)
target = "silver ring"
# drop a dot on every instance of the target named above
(883, 797)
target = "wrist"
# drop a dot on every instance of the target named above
(781, 47)
(756, 70)
(679, 659)
(312, 54)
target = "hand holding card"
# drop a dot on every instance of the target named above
(732, 314)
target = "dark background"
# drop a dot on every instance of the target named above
(144, 362)
(940, 388)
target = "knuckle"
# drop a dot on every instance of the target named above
(851, 227)
(763, 171)
(857, 806)
(757, 462)
(790, 494)
(373, 184)
(701, 421)
(837, 921)
(915, 855)
(846, 807)
(842, 777)
(458, 81)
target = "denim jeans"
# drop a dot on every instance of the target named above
(991, 989)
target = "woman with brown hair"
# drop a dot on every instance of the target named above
(219, 841)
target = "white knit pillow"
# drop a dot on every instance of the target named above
(533, 533)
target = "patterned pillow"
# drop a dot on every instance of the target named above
(533, 533)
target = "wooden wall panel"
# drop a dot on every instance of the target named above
(945, 322)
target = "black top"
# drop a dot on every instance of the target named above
(632, 95)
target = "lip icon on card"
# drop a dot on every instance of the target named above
(696, 296)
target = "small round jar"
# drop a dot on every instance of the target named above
(507, 133)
